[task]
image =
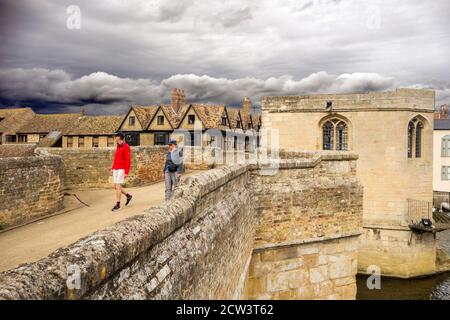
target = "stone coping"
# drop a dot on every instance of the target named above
(104, 253)
(46, 151)
(388, 227)
(311, 161)
(305, 241)
(397, 92)
(374, 109)
(29, 161)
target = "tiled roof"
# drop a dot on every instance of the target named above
(145, 114)
(210, 115)
(11, 120)
(234, 115)
(45, 123)
(96, 125)
(256, 119)
(172, 116)
(245, 116)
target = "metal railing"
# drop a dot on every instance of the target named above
(418, 210)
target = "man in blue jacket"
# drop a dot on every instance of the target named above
(173, 168)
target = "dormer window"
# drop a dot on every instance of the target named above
(224, 120)
(132, 121)
(238, 124)
(160, 120)
(191, 119)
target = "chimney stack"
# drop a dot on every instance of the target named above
(442, 113)
(246, 105)
(178, 99)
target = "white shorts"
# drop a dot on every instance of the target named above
(119, 176)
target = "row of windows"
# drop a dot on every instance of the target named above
(132, 121)
(21, 138)
(191, 120)
(94, 142)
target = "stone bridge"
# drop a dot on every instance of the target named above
(243, 231)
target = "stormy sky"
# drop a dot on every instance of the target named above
(120, 52)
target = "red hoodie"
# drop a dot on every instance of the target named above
(122, 158)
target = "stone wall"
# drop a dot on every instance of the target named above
(398, 252)
(238, 231)
(317, 270)
(30, 187)
(91, 168)
(198, 247)
(310, 217)
(16, 150)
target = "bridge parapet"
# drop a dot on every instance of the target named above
(197, 246)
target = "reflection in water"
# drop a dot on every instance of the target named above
(434, 287)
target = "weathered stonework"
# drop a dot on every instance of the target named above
(398, 251)
(311, 198)
(318, 270)
(310, 218)
(30, 187)
(198, 246)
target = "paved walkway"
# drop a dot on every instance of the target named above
(37, 240)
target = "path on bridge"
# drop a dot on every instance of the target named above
(37, 240)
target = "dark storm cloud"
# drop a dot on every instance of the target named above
(40, 87)
(136, 50)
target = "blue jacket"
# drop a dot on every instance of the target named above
(179, 163)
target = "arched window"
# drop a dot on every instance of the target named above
(419, 128)
(335, 135)
(341, 136)
(415, 129)
(410, 138)
(328, 136)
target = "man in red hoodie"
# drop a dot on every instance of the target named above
(121, 169)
